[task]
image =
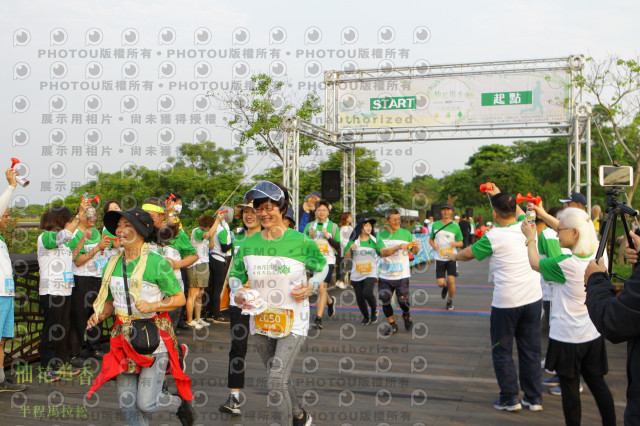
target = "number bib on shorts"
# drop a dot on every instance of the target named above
(274, 322)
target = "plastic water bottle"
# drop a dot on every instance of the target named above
(531, 214)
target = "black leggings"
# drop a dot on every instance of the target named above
(217, 273)
(239, 329)
(571, 398)
(82, 298)
(364, 295)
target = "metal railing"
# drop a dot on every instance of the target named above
(28, 312)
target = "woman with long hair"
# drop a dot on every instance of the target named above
(55, 288)
(575, 346)
(153, 291)
(275, 261)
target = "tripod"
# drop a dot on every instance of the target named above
(615, 208)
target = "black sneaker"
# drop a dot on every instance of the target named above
(392, 329)
(374, 316)
(511, 405)
(318, 323)
(77, 362)
(6, 386)
(407, 321)
(449, 305)
(97, 354)
(183, 351)
(231, 406)
(331, 307)
(186, 414)
(221, 319)
(365, 321)
(445, 290)
(305, 420)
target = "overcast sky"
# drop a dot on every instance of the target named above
(193, 46)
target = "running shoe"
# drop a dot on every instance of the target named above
(365, 321)
(407, 321)
(305, 420)
(331, 307)
(445, 290)
(374, 316)
(511, 405)
(535, 405)
(231, 406)
(5, 386)
(221, 319)
(392, 329)
(558, 392)
(340, 284)
(318, 323)
(551, 381)
(196, 324)
(449, 305)
(186, 414)
(204, 323)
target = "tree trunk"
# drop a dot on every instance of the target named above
(636, 179)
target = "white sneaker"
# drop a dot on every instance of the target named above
(340, 284)
(203, 323)
(196, 325)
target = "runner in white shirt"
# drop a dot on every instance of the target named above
(7, 288)
(345, 232)
(575, 346)
(89, 258)
(275, 262)
(516, 307)
(55, 287)
(363, 252)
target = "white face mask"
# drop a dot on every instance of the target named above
(177, 208)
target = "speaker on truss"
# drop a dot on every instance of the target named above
(436, 211)
(331, 190)
(469, 212)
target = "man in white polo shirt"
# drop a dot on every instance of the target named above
(516, 307)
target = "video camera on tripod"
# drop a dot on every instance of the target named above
(614, 178)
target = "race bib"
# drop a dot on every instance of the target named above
(446, 251)
(68, 279)
(364, 267)
(394, 268)
(100, 262)
(324, 247)
(9, 285)
(274, 322)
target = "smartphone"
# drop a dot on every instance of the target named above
(616, 175)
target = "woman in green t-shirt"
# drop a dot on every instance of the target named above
(362, 251)
(153, 292)
(275, 261)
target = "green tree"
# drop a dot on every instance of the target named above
(259, 113)
(614, 85)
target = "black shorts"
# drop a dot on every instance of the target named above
(329, 276)
(446, 266)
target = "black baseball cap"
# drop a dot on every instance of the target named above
(576, 197)
(446, 206)
(140, 219)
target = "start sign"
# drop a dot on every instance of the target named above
(404, 102)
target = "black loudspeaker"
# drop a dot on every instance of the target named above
(469, 212)
(436, 211)
(331, 190)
